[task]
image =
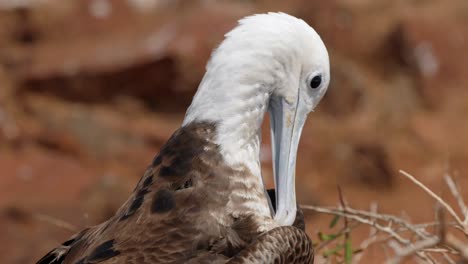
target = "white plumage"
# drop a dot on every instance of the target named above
(267, 55)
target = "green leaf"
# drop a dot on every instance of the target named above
(334, 221)
(324, 237)
(348, 251)
(333, 251)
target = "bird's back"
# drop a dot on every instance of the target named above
(178, 212)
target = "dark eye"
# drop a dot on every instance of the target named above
(316, 81)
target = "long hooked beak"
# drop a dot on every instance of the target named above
(287, 120)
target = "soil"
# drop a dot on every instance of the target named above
(90, 89)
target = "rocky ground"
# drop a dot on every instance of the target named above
(90, 89)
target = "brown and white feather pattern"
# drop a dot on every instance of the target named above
(281, 245)
(189, 207)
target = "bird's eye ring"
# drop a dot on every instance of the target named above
(316, 81)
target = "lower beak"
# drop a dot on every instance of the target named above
(287, 120)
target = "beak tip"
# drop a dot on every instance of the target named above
(287, 217)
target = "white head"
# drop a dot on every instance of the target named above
(270, 62)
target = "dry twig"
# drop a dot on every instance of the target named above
(438, 199)
(405, 238)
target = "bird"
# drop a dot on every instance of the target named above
(203, 199)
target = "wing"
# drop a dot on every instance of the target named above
(58, 254)
(175, 214)
(281, 245)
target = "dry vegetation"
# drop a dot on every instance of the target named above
(444, 240)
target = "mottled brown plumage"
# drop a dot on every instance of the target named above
(286, 244)
(185, 210)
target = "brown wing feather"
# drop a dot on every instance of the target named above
(281, 245)
(58, 254)
(170, 216)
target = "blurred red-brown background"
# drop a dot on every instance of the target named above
(90, 89)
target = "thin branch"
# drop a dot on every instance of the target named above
(398, 249)
(418, 246)
(456, 193)
(441, 250)
(376, 216)
(435, 196)
(372, 239)
(406, 239)
(448, 258)
(458, 245)
(348, 215)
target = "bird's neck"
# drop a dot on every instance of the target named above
(238, 193)
(238, 114)
(236, 102)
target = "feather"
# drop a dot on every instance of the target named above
(202, 199)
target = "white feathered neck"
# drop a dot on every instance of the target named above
(257, 57)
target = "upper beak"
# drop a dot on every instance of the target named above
(287, 120)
